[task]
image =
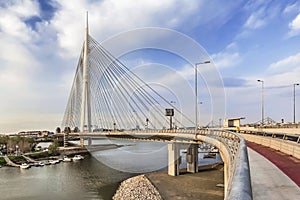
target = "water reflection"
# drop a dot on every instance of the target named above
(88, 179)
(139, 157)
(95, 177)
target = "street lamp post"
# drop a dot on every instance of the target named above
(147, 123)
(135, 115)
(295, 101)
(199, 111)
(174, 106)
(196, 93)
(262, 101)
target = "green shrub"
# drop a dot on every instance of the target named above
(2, 161)
(37, 155)
(53, 149)
(17, 159)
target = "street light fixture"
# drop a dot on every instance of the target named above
(196, 93)
(295, 101)
(262, 101)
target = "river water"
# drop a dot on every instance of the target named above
(95, 177)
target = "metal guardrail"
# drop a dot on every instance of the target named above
(239, 186)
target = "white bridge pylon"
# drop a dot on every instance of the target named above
(85, 99)
(106, 95)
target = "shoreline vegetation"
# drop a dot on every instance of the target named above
(59, 152)
(18, 149)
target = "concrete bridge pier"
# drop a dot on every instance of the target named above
(192, 158)
(90, 141)
(66, 139)
(81, 142)
(173, 159)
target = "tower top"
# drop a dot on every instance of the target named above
(87, 20)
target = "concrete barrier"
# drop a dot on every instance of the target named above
(285, 146)
(291, 131)
(241, 181)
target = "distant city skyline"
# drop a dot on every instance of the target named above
(247, 40)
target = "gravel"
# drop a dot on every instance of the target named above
(138, 187)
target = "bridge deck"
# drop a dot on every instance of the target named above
(268, 181)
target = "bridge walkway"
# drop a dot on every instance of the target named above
(268, 180)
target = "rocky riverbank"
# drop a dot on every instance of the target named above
(138, 187)
(207, 184)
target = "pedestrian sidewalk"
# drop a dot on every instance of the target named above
(268, 181)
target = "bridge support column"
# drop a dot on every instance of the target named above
(66, 139)
(173, 159)
(192, 158)
(81, 142)
(89, 141)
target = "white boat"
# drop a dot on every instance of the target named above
(78, 157)
(41, 163)
(214, 150)
(53, 162)
(67, 159)
(24, 166)
(46, 162)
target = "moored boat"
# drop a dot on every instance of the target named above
(78, 157)
(24, 166)
(67, 159)
(53, 162)
(36, 164)
(209, 155)
(46, 162)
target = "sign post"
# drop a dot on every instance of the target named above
(170, 113)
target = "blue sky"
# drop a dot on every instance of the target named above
(247, 40)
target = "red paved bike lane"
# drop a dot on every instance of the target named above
(287, 164)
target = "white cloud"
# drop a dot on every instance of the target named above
(292, 8)
(294, 26)
(18, 62)
(256, 20)
(20, 68)
(111, 17)
(286, 65)
(24, 8)
(229, 57)
(261, 14)
(108, 18)
(12, 19)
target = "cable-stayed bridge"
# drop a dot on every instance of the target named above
(106, 95)
(109, 100)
